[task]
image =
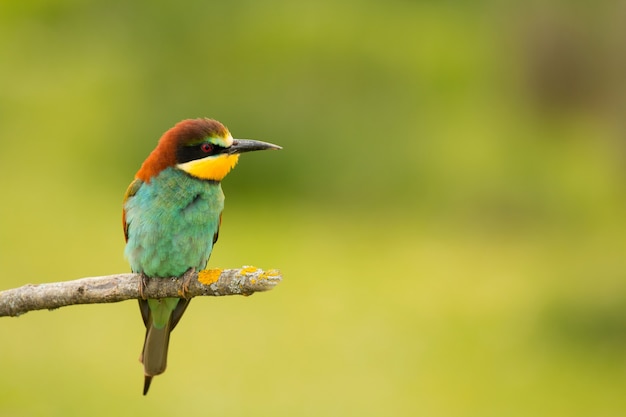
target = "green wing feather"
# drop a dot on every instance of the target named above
(130, 191)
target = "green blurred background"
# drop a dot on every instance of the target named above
(448, 210)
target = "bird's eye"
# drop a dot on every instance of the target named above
(206, 147)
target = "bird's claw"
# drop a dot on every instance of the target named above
(187, 279)
(143, 284)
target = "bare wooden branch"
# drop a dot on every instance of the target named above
(120, 287)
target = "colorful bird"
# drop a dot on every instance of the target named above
(172, 215)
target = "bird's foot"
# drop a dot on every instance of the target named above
(187, 278)
(143, 284)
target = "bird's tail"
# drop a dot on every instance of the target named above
(160, 317)
(154, 355)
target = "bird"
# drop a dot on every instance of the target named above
(172, 212)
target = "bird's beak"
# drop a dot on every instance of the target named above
(247, 145)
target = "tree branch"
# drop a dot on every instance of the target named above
(120, 287)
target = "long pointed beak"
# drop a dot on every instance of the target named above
(248, 145)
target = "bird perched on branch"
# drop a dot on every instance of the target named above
(172, 215)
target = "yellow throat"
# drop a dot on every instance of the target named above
(210, 168)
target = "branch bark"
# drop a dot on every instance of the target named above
(120, 287)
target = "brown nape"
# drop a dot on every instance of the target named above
(186, 131)
(191, 130)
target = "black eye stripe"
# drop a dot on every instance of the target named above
(199, 151)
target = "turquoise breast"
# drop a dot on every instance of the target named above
(171, 223)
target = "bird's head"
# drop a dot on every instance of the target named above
(203, 148)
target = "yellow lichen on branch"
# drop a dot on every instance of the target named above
(209, 276)
(248, 270)
(272, 273)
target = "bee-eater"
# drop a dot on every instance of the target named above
(172, 215)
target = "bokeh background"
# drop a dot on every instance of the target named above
(448, 210)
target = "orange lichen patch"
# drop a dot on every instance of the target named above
(269, 274)
(209, 276)
(248, 270)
